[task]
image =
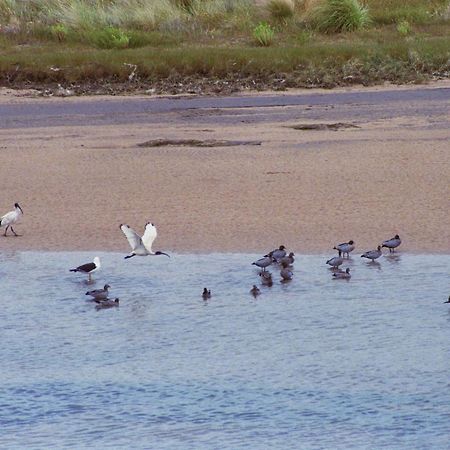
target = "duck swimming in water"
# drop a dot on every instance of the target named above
(342, 275)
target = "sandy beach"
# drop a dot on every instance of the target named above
(386, 173)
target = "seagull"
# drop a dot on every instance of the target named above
(263, 262)
(335, 262)
(278, 253)
(11, 217)
(342, 275)
(266, 278)
(99, 294)
(255, 291)
(372, 254)
(288, 259)
(88, 268)
(141, 246)
(393, 243)
(286, 273)
(206, 293)
(106, 303)
(345, 247)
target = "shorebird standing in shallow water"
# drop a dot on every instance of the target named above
(255, 291)
(278, 253)
(88, 268)
(342, 275)
(141, 246)
(335, 262)
(372, 254)
(345, 248)
(263, 262)
(392, 243)
(10, 218)
(99, 294)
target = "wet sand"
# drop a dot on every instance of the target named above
(78, 176)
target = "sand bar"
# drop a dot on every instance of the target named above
(76, 168)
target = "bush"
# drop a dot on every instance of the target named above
(334, 16)
(108, 37)
(264, 34)
(281, 10)
(404, 28)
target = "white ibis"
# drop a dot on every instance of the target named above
(10, 218)
(141, 246)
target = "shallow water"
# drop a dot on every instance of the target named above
(315, 363)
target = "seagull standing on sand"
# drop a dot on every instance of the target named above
(88, 268)
(141, 246)
(345, 248)
(10, 218)
(99, 294)
(392, 244)
(372, 254)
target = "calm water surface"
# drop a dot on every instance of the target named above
(313, 364)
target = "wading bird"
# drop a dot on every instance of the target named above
(278, 253)
(263, 262)
(88, 268)
(10, 218)
(372, 254)
(141, 246)
(392, 244)
(345, 248)
(335, 262)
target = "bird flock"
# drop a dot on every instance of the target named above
(279, 257)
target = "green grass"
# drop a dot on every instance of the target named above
(212, 41)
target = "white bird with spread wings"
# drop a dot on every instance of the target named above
(141, 246)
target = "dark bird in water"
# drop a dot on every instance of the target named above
(206, 293)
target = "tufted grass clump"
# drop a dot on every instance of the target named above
(335, 16)
(264, 34)
(403, 28)
(108, 38)
(281, 10)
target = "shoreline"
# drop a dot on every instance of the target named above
(79, 173)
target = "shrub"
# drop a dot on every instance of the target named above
(264, 34)
(333, 16)
(108, 37)
(59, 31)
(404, 27)
(281, 10)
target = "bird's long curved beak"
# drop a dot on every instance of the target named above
(162, 253)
